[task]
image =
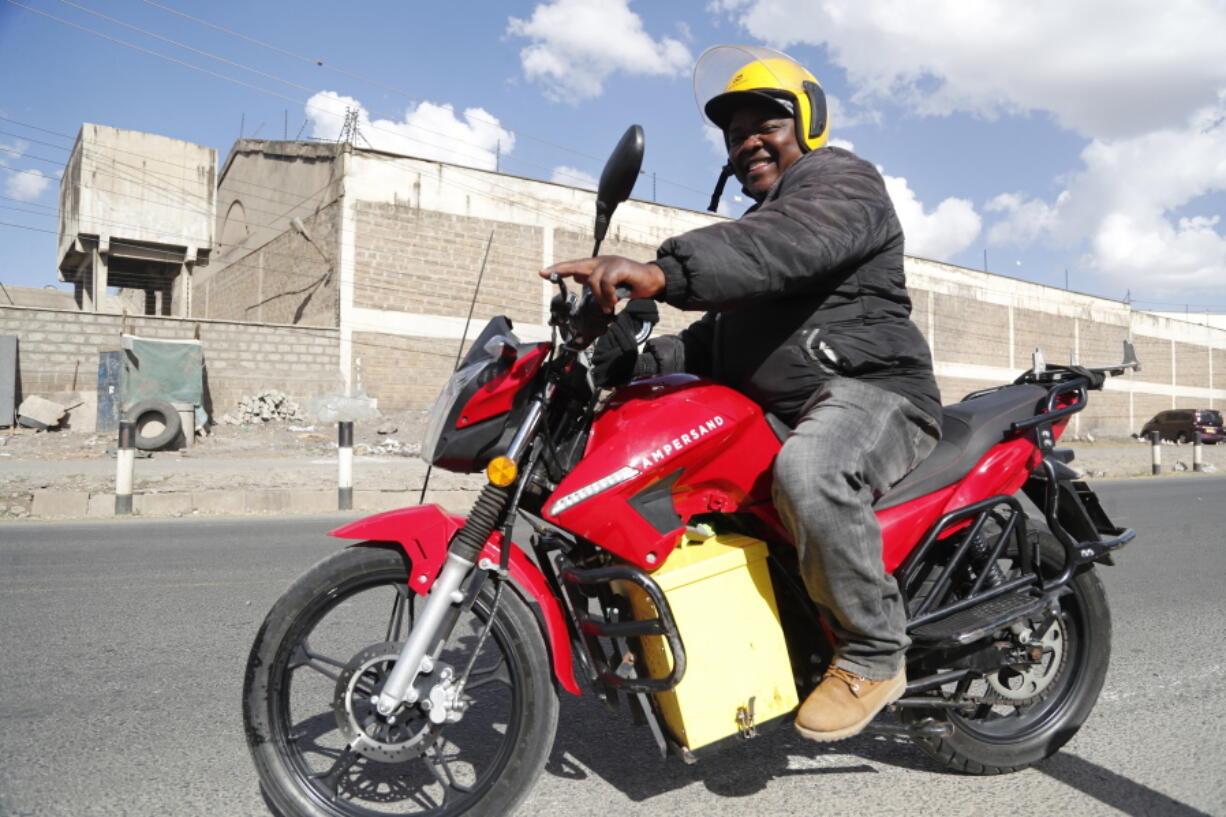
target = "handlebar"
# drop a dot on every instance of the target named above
(581, 319)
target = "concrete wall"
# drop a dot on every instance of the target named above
(409, 236)
(58, 351)
(984, 329)
(11, 295)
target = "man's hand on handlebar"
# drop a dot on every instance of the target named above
(605, 274)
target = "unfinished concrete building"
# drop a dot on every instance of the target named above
(136, 220)
(388, 250)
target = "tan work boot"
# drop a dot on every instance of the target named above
(844, 703)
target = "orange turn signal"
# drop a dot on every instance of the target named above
(501, 471)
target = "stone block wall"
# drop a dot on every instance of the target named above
(58, 351)
(405, 372)
(425, 262)
(286, 281)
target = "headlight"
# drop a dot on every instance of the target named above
(441, 410)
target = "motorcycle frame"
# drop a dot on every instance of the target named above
(425, 534)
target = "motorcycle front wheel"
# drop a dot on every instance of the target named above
(1026, 716)
(323, 652)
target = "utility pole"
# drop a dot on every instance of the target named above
(985, 259)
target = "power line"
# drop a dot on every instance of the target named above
(350, 75)
(450, 143)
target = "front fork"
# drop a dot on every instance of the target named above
(487, 514)
(398, 688)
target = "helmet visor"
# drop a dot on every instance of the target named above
(718, 67)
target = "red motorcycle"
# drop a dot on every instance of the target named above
(418, 670)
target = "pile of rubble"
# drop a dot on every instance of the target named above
(264, 407)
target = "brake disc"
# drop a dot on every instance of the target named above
(390, 739)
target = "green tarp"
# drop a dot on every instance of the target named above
(170, 370)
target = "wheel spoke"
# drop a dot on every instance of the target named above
(481, 677)
(303, 657)
(441, 769)
(402, 608)
(331, 778)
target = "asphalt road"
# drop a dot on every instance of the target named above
(122, 646)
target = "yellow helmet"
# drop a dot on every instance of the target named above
(726, 77)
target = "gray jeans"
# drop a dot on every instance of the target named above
(853, 444)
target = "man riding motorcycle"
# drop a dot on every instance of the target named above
(807, 313)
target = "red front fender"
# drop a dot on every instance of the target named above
(425, 532)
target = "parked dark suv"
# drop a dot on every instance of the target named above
(1185, 425)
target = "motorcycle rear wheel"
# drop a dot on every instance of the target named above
(1000, 739)
(325, 647)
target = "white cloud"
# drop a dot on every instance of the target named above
(573, 177)
(1104, 68)
(844, 116)
(578, 44)
(12, 150)
(1145, 83)
(1026, 220)
(844, 144)
(937, 234)
(1122, 201)
(427, 130)
(26, 185)
(714, 137)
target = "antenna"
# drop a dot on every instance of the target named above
(425, 482)
(349, 130)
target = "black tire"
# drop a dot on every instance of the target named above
(152, 414)
(988, 742)
(1182, 438)
(296, 734)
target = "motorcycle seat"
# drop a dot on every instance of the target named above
(968, 431)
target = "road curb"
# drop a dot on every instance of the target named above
(85, 505)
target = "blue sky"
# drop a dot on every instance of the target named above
(1088, 137)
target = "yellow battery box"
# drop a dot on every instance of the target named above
(737, 672)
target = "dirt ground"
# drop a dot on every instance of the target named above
(392, 434)
(281, 454)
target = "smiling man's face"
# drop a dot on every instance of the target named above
(761, 145)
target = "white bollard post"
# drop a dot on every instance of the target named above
(1198, 456)
(125, 465)
(187, 420)
(344, 482)
(1155, 441)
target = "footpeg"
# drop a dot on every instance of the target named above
(972, 624)
(927, 728)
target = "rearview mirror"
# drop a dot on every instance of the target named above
(620, 173)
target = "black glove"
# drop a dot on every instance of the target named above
(615, 352)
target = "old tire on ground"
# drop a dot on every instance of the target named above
(304, 699)
(157, 423)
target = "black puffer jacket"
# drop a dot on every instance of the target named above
(807, 284)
